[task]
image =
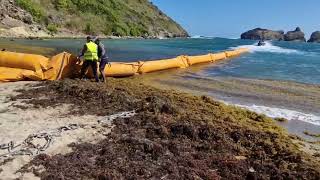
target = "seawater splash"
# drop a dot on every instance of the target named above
(202, 37)
(269, 47)
(273, 112)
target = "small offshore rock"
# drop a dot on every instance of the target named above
(296, 35)
(315, 37)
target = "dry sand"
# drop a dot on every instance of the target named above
(17, 124)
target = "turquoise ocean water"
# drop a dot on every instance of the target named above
(278, 61)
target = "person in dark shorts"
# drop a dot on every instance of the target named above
(103, 57)
(90, 54)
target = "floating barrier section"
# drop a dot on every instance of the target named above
(18, 66)
(159, 65)
(121, 69)
(14, 74)
(199, 59)
(22, 65)
(62, 66)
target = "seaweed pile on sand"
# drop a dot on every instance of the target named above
(172, 136)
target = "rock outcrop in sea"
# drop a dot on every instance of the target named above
(296, 35)
(266, 34)
(315, 37)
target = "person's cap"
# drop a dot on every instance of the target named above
(89, 38)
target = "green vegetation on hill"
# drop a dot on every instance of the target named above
(108, 17)
(33, 8)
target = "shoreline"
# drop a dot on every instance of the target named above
(257, 95)
(297, 127)
(85, 36)
(250, 94)
(164, 109)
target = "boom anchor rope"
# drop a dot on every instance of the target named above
(29, 148)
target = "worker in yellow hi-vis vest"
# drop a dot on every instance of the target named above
(90, 56)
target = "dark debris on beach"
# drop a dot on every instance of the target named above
(173, 136)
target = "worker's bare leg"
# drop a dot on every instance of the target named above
(102, 74)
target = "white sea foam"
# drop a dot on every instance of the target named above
(269, 47)
(283, 113)
(196, 37)
(234, 38)
(202, 37)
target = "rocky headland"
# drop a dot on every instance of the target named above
(72, 19)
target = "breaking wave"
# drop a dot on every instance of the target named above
(269, 47)
(274, 112)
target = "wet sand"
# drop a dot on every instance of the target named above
(299, 127)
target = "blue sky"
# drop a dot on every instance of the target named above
(229, 18)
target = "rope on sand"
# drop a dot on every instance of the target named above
(30, 148)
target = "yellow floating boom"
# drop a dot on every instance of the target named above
(18, 66)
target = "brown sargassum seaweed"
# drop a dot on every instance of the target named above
(173, 136)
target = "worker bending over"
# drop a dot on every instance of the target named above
(90, 54)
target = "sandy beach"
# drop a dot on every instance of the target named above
(217, 90)
(63, 108)
(17, 125)
(55, 121)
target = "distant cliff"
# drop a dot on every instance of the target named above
(266, 34)
(134, 18)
